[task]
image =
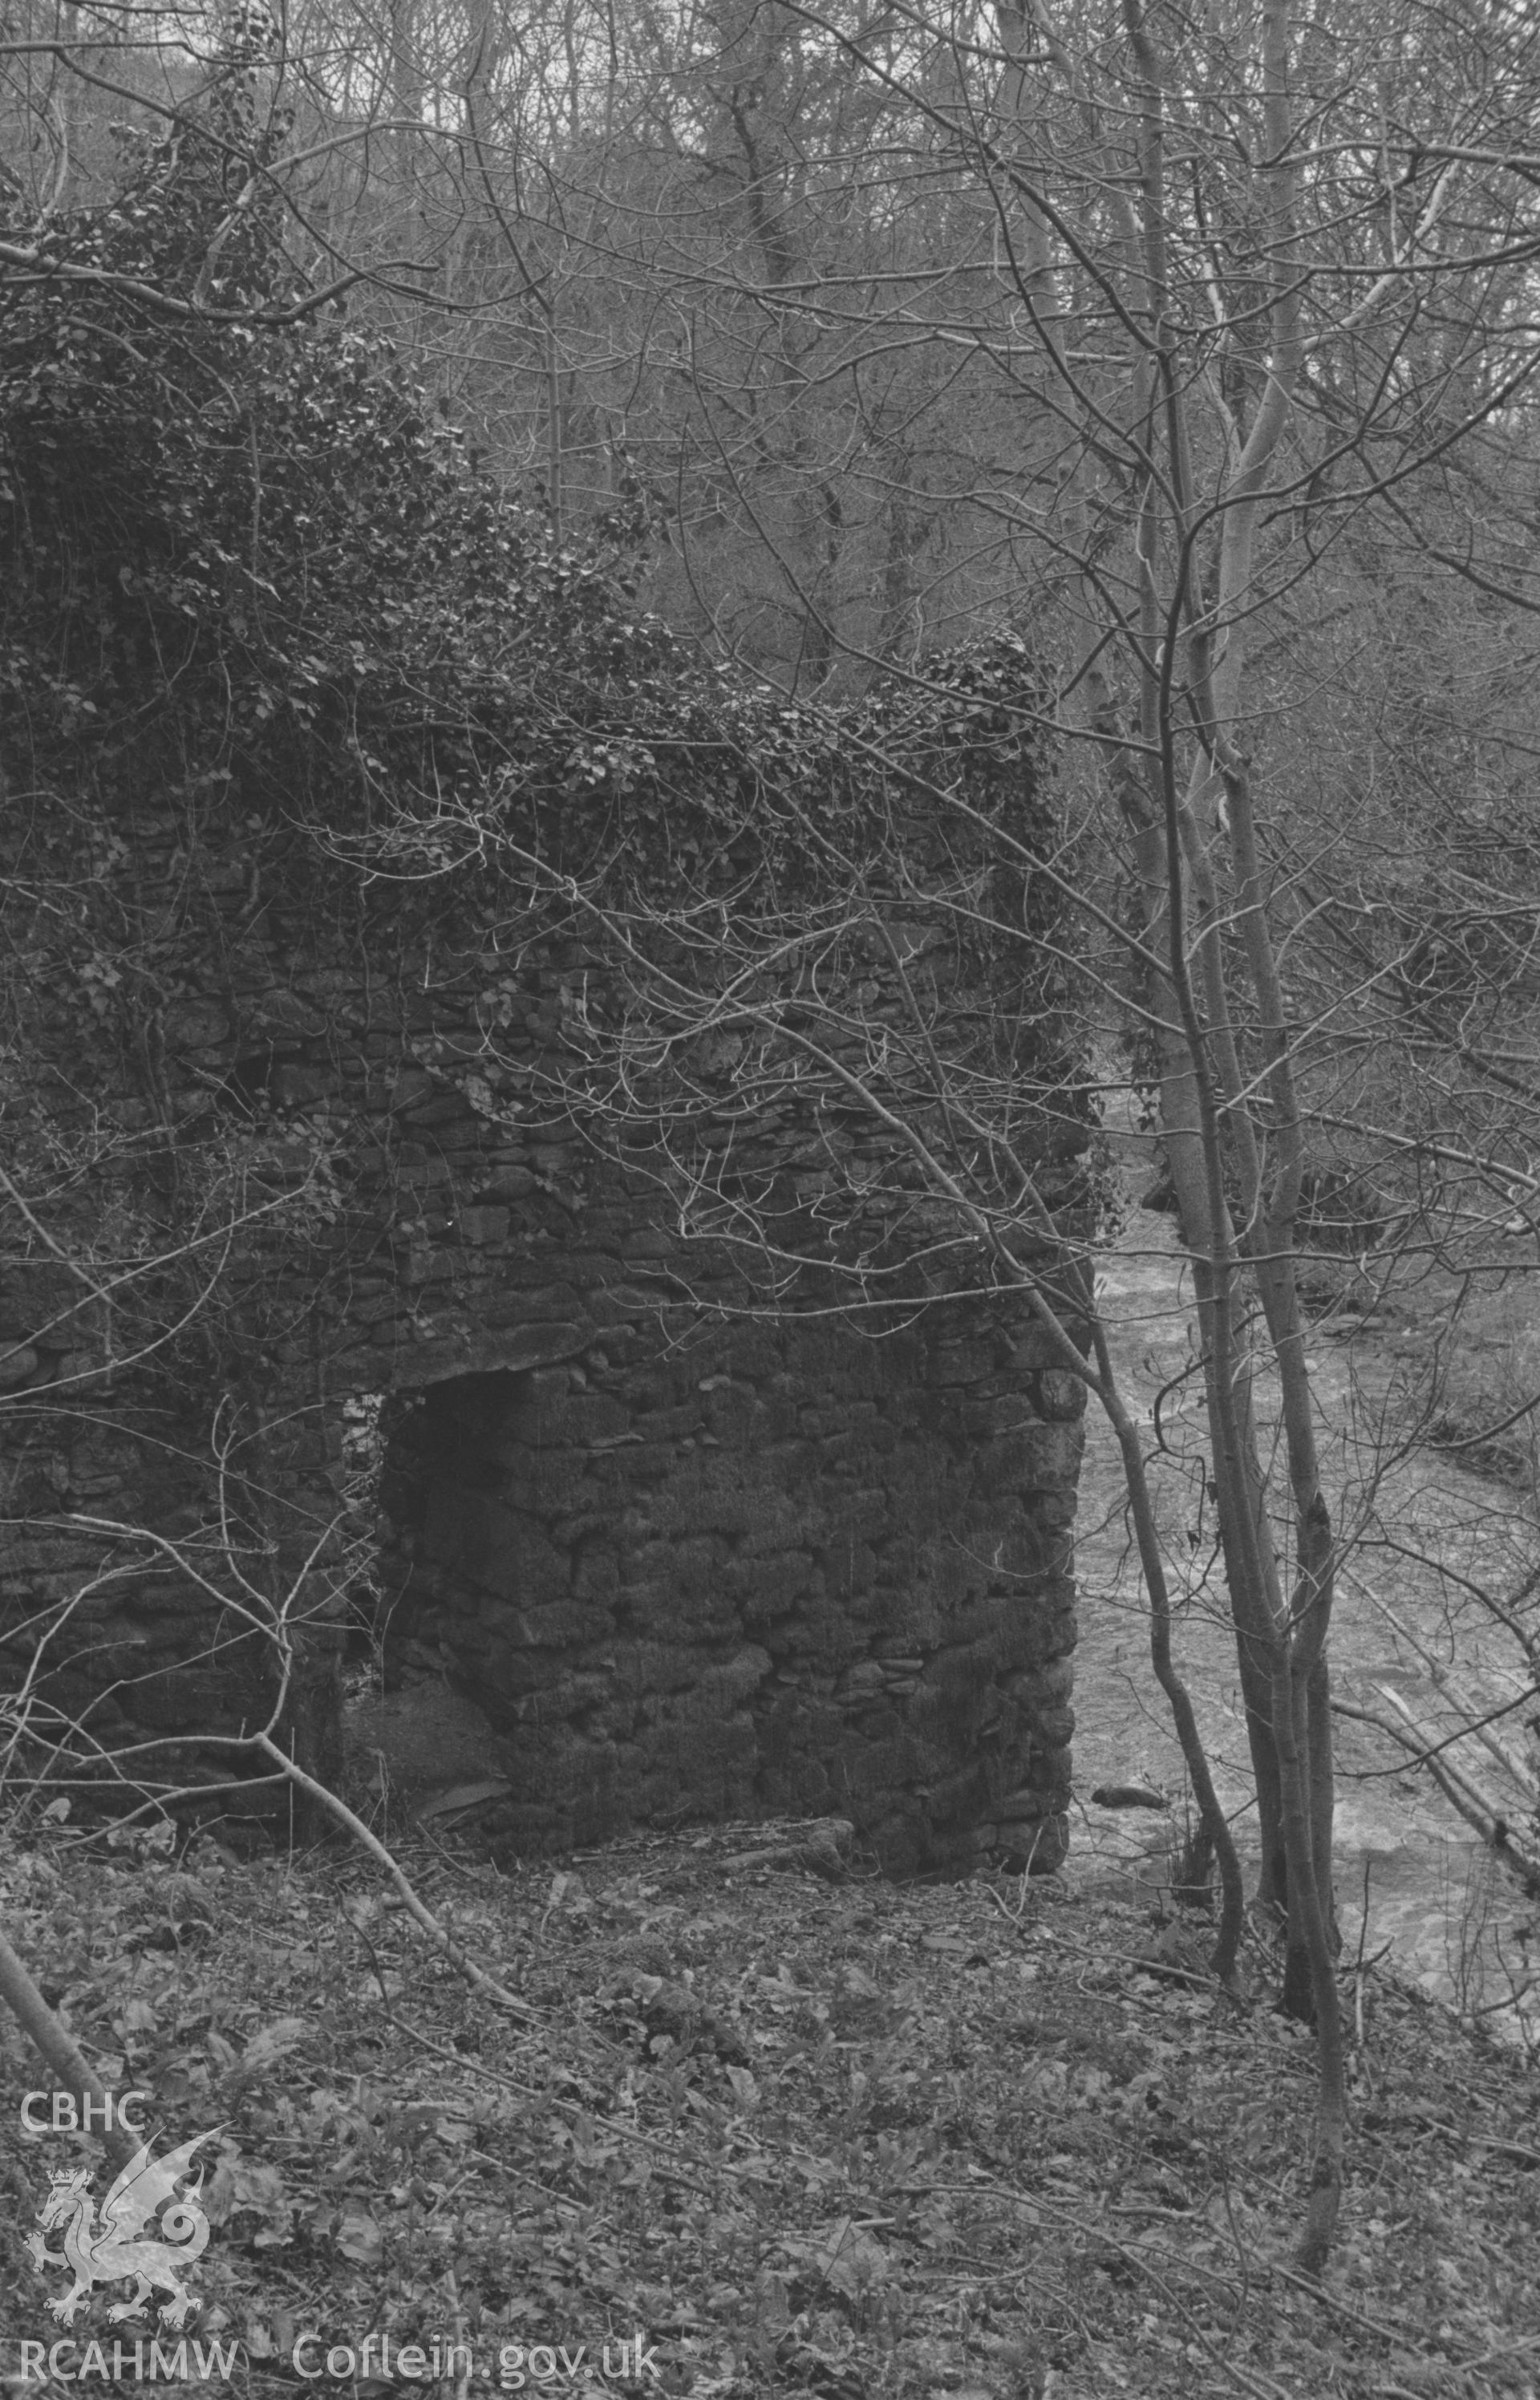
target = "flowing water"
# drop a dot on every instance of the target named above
(1454, 1919)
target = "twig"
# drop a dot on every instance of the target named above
(1396, 2334)
(1503, 2350)
(1261, 2388)
(421, 1915)
(821, 1851)
(43, 2029)
(492, 1880)
(1502, 2150)
(1126, 1958)
(572, 2107)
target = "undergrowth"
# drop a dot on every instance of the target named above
(983, 2140)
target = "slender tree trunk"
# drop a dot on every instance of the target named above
(1211, 1815)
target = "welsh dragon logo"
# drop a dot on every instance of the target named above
(108, 2251)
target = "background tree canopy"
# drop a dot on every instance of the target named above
(255, 578)
(246, 542)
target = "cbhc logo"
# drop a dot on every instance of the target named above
(68, 2114)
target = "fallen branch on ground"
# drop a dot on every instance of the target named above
(416, 1909)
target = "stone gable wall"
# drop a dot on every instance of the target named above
(688, 1562)
(756, 1571)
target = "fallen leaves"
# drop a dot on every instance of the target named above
(846, 2139)
(273, 2042)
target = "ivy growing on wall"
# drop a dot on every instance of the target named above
(247, 548)
(255, 587)
(289, 688)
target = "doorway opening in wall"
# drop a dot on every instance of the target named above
(457, 1469)
(430, 1469)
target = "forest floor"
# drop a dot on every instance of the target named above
(985, 2140)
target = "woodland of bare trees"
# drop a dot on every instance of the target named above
(1183, 361)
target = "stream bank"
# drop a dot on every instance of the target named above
(1420, 1532)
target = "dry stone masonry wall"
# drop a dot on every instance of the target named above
(339, 800)
(753, 1571)
(687, 1562)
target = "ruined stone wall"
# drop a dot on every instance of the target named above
(764, 1571)
(689, 1564)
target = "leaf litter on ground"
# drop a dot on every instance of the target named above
(993, 2140)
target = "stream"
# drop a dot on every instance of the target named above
(1410, 1873)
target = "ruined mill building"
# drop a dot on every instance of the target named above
(358, 1276)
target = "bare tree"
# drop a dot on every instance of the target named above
(1218, 258)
